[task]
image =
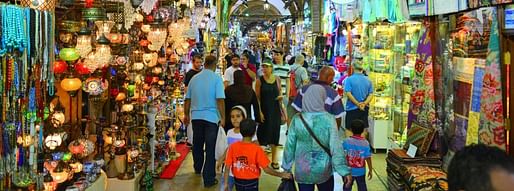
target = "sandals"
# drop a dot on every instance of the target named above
(275, 166)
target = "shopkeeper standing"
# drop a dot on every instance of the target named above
(359, 90)
(205, 101)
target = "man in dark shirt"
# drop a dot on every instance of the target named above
(197, 67)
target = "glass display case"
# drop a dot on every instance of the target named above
(390, 59)
(406, 39)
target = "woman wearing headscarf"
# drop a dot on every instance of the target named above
(241, 94)
(314, 161)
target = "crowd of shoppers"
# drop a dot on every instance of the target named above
(313, 150)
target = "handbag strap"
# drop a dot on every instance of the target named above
(314, 136)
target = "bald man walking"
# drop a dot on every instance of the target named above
(327, 99)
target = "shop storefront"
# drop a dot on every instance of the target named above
(439, 82)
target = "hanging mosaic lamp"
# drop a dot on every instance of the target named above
(71, 84)
(69, 54)
(93, 14)
(60, 67)
(103, 51)
(84, 46)
(104, 27)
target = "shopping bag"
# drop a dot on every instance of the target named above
(287, 185)
(189, 133)
(221, 143)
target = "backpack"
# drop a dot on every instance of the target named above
(293, 91)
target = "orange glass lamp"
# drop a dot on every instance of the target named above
(71, 84)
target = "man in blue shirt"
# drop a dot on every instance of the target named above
(205, 100)
(359, 90)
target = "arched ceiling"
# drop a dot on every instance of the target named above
(256, 6)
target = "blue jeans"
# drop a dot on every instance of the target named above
(246, 185)
(205, 133)
(361, 183)
(230, 183)
(327, 185)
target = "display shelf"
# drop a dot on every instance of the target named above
(390, 60)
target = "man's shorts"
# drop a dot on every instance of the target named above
(356, 114)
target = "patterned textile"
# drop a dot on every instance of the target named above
(492, 129)
(422, 106)
(420, 137)
(422, 178)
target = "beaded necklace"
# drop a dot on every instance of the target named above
(50, 54)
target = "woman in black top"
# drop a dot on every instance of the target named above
(241, 94)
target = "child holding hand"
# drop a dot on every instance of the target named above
(246, 159)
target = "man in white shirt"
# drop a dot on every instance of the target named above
(228, 77)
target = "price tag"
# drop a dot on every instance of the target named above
(412, 150)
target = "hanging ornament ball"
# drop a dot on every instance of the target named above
(149, 18)
(143, 43)
(46, 113)
(81, 68)
(114, 92)
(113, 71)
(148, 79)
(66, 157)
(60, 66)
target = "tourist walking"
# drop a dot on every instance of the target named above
(270, 98)
(205, 100)
(228, 76)
(313, 147)
(242, 94)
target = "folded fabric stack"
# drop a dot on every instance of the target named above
(397, 163)
(422, 178)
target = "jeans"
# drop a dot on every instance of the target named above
(230, 183)
(247, 185)
(361, 183)
(205, 133)
(328, 185)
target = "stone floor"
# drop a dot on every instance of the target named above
(186, 180)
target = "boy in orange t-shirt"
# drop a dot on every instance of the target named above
(246, 160)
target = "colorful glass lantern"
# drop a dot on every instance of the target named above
(93, 14)
(52, 141)
(81, 68)
(103, 51)
(69, 54)
(60, 67)
(114, 36)
(157, 35)
(84, 46)
(71, 85)
(104, 27)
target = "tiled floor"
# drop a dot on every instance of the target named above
(186, 180)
